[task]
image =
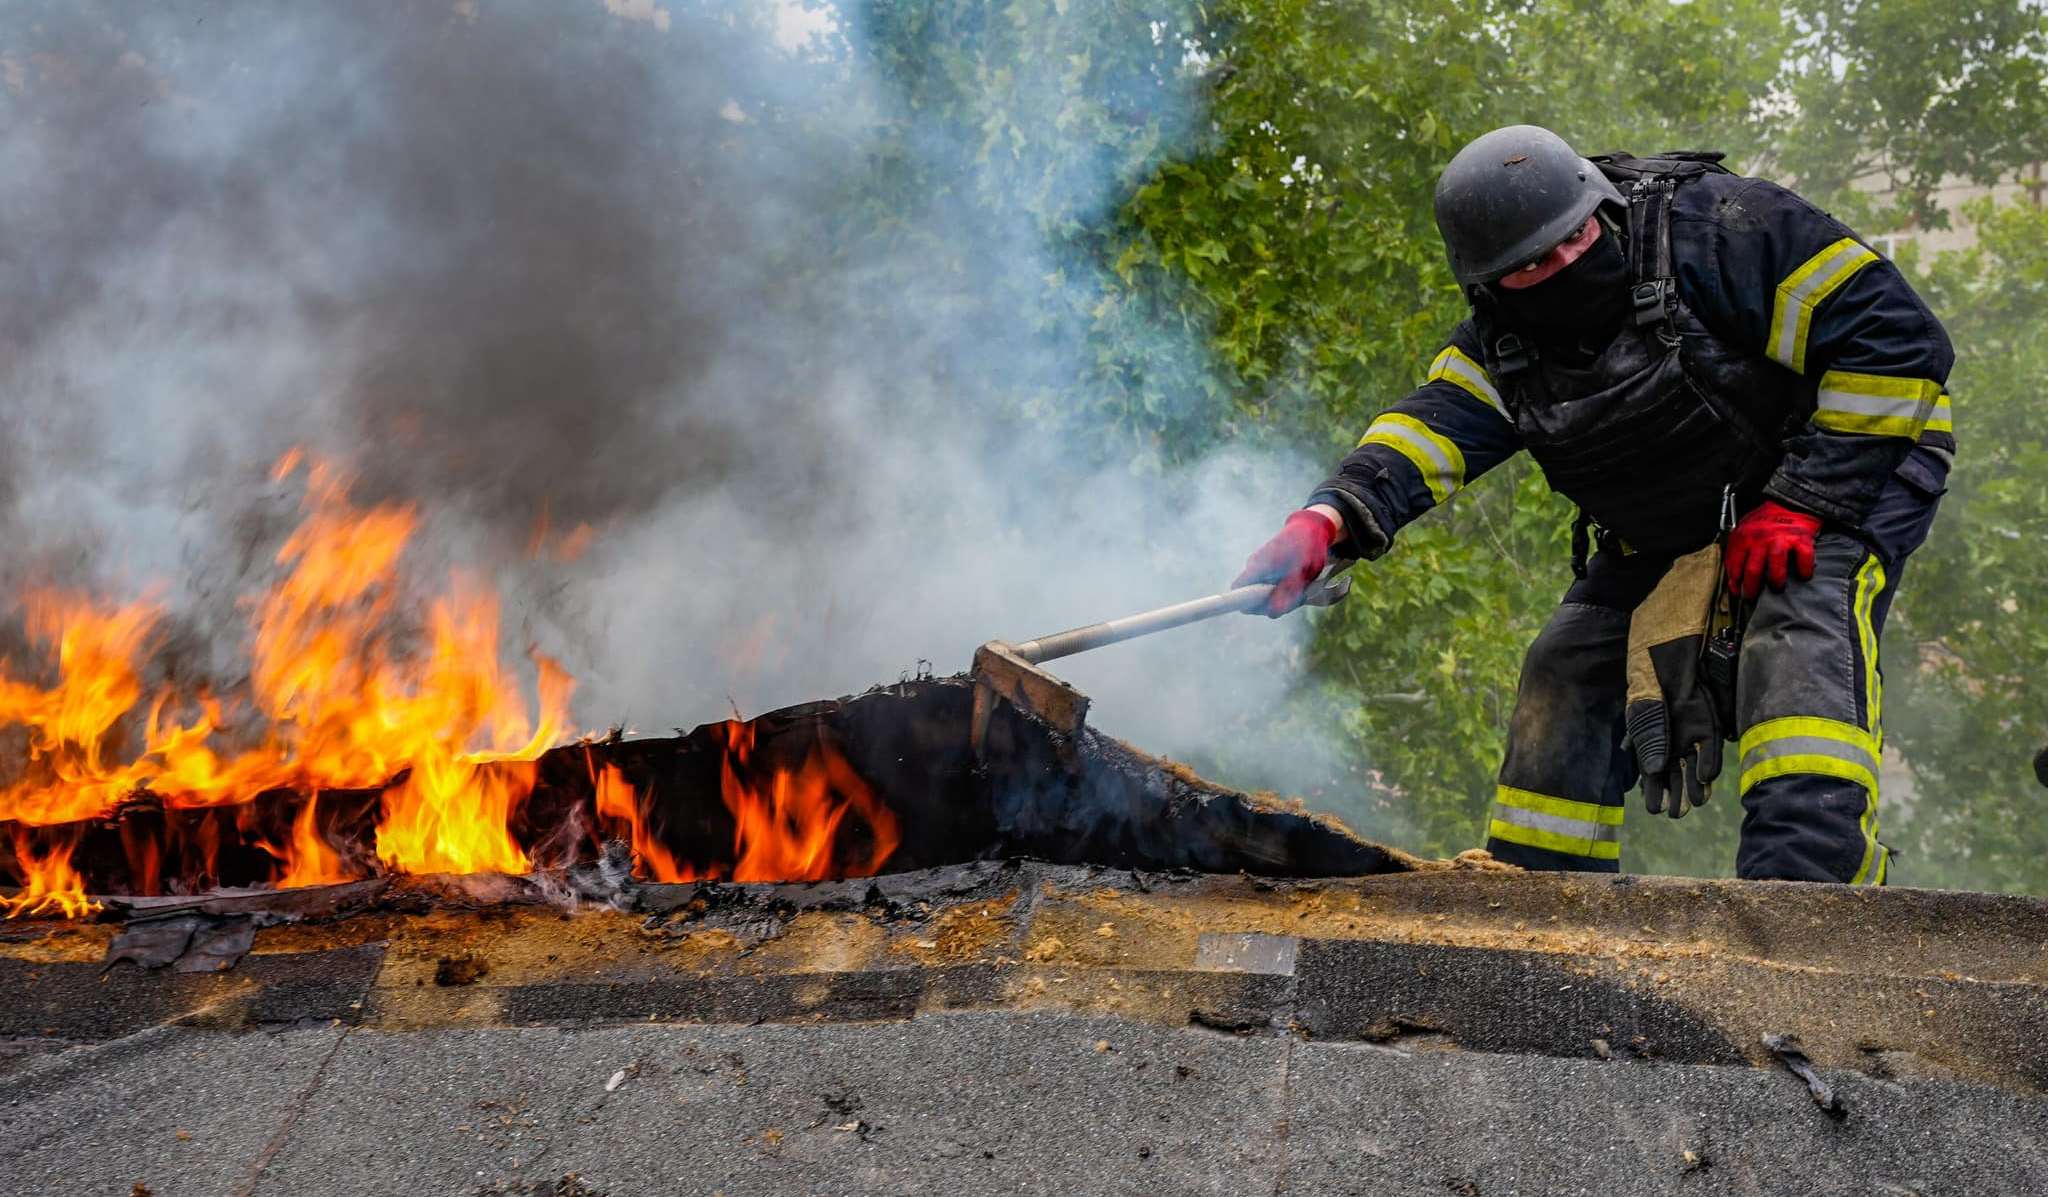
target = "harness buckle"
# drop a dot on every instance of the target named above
(1514, 354)
(1649, 302)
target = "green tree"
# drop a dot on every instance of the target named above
(1913, 92)
(1970, 637)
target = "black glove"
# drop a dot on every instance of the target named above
(1673, 728)
(1676, 738)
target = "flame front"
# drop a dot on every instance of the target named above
(49, 885)
(786, 825)
(309, 859)
(619, 803)
(68, 724)
(340, 703)
(344, 693)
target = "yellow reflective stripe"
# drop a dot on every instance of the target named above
(1439, 462)
(1875, 855)
(1875, 404)
(1807, 763)
(1794, 726)
(1551, 841)
(1563, 808)
(1871, 868)
(1454, 367)
(1812, 746)
(1803, 290)
(1943, 419)
(1803, 744)
(1535, 820)
(1869, 584)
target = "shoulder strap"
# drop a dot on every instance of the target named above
(1653, 284)
(1649, 184)
(1624, 168)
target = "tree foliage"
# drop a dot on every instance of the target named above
(1914, 92)
(1971, 634)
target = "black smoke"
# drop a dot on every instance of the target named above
(519, 244)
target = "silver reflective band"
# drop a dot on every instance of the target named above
(1876, 404)
(1785, 746)
(1461, 371)
(1803, 290)
(1576, 828)
(1436, 459)
(1902, 407)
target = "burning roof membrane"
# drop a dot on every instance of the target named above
(828, 790)
(835, 948)
(358, 751)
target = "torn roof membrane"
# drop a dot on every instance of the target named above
(921, 798)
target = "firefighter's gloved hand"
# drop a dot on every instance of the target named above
(1769, 544)
(1676, 740)
(1291, 560)
(1673, 730)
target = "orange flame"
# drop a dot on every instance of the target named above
(342, 701)
(308, 859)
(344, 694)
(49, 884)
(787, 829)
(69, 724)
(567, 548)
(618, 801)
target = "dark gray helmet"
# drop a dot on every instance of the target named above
(1510, 197)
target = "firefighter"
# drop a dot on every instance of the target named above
(1704, 364)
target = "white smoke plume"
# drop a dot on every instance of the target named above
(591, 264)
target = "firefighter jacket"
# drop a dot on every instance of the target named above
(1766, 352)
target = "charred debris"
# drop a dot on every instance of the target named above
(1079, 799)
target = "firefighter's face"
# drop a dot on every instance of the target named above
(1563, 255)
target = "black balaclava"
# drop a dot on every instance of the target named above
(1582, 303)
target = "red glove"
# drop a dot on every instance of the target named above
(1768, 542)
(1291, 560)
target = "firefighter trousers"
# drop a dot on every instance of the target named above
(1809, 702)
